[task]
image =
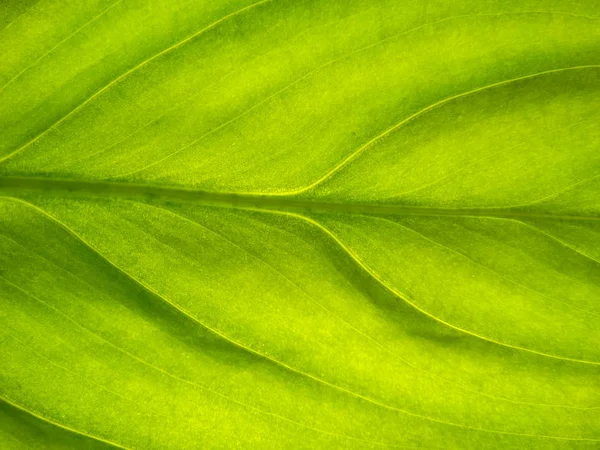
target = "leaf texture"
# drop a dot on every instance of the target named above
(300, 224)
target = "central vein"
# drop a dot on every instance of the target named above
(14, 186)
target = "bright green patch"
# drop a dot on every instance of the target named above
(300, 224)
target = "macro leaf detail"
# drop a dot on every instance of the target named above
(300, 224)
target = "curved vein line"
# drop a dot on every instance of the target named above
(262, 261)
(555, 194)
(311, 72)
(40, 256)
(19, 17)
(464, 387)
(211, 131)
(369, 338)
(419, 113)
(377, 343)
(93, 19)
(64, 368)
(255, 166)
(271, 267)
(127, 73)
(554, 238)
(489, 269)
(290, 368)
(59, 425)
(407, 299)
(181, 379)
(483, 158)
(294, 82)
(68, 370)
(185, 313)
(281, 46)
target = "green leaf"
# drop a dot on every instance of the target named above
(300, 224)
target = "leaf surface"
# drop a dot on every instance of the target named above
(310, 224)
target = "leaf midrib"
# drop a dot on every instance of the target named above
(22, 185)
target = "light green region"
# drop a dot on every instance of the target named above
(300, 224)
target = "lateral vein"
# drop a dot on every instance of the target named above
(290, 368)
